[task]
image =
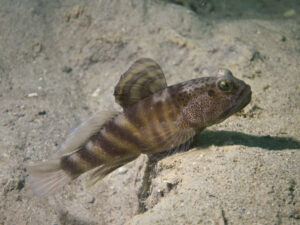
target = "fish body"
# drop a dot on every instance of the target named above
(155, 118)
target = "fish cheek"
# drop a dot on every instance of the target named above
(195, 112)
(204, 110)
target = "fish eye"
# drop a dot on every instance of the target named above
(224, 85)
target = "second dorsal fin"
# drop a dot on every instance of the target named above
(142, 79)
(84, 131)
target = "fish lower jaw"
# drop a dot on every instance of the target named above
(242, 100)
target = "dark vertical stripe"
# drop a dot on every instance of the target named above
(134, 115)
(108, 146)
(173, 111)
(70, 166)
(167, 126)
(124, 133)
(89, 157)
(155, 126)
(140, 116)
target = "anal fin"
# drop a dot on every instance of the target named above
(100, 172)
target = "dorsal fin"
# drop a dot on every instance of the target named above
(84, 131)
(141, 80)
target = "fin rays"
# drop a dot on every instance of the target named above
(142, 79)
(82, 133)
(47, 177)
(174, 138)
(100, 172)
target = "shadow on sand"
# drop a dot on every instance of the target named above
(66, 218)
(225, 138)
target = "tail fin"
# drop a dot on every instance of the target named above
(47, 177)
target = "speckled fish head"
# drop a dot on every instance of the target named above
(216, 98)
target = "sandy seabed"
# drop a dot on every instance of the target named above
(59, 63)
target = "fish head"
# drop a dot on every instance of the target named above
(218, 98)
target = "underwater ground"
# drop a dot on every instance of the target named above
(59, 63)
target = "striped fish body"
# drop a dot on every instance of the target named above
(155, 118)
(146, 126)
(150, 126)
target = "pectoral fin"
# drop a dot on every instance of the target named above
(142, 79)
(171, 137)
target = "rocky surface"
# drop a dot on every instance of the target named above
(59, 62)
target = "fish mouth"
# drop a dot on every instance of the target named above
(242, 100)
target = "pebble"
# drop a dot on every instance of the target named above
(122, 170)
(34, 94)
(96, 92)
(36, 47)
(41, 113)
(91, 200)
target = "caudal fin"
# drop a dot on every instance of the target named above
(47, 177)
